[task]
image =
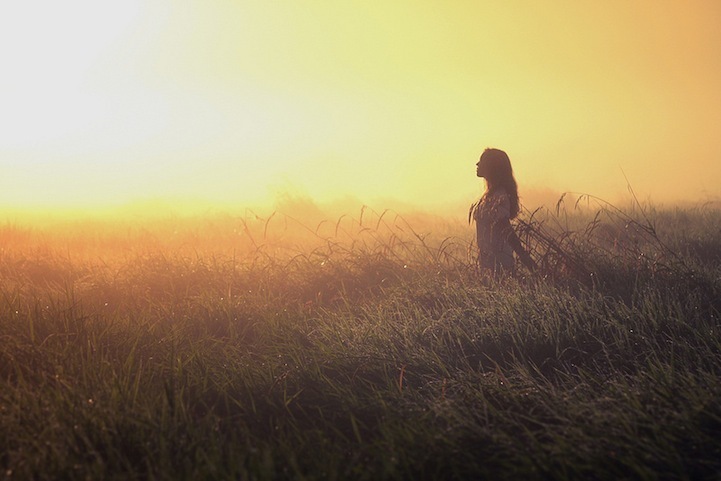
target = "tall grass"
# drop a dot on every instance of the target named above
(365, 348)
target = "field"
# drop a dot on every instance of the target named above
(366, 347)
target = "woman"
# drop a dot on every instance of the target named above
(495, 237)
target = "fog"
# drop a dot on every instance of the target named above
(157, 108)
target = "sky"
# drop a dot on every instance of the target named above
(227, 103)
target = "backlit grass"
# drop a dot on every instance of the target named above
(364, 348)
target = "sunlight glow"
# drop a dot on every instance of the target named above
(49, 50)
(227, 103)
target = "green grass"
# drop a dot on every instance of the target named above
(367, 348)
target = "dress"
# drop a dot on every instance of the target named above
(492, 215)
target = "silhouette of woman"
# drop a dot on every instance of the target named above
(495, 237)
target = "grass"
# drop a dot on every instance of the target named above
(366, 348)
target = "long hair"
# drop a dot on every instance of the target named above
(500, 174)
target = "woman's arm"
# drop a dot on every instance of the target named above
(503, 226)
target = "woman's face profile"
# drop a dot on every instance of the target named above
(481, 167)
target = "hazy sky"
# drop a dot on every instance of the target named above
(108, 102)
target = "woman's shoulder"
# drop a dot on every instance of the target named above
(497, 196)
(500, 193)
(498, 201)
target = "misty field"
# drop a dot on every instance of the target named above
(366, 347)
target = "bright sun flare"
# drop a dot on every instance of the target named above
(50, 51)
(114, 102)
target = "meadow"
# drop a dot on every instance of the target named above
(367, 347)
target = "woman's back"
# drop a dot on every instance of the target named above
(492, 213)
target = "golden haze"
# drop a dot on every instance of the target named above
(218, 105)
